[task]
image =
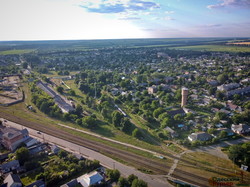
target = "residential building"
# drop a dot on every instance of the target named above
(213, 82)
(9, 166)
(39, 183)
(55, 149)
(199, 136)
(153, 89)
(30, 142)
(72, 183)
(233, 107)
(172, 113)
(171, 131)
(227, 87)
(90, 179)
(242, 91)
(13, 180)
(241, 129)
(228, 131)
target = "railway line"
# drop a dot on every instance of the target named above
(138, 160)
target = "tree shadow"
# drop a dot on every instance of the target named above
(102, 130)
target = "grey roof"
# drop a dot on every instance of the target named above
(12, 178)
(10, 132)
(228, 131)
(201, 136)
(39, 183)
(241, 127)
(227, 87)
(174, 112)
(9, 164)
(241, 91)
(72, 183)
(90, 179)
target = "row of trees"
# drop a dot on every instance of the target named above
(240, 154)
(131, 181)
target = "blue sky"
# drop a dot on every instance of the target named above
(106, 19)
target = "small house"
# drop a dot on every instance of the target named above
(199, 136)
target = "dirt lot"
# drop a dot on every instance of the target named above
(10, 91)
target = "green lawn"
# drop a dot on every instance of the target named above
(16, 51)
(219, 48)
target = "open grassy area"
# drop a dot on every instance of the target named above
(217, 48)
(16, 51)
(208, 165)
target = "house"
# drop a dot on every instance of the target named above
(90, 179)
(55, 149)
(39, 183)
(187, 110)
(30, 142)
(172, 113)
(242, 91)
(10, 166)
(213, 82)
(241, 129)
(13, 180)
(233, 107)
(169, 79)
(199, 136)
(72, 183)
(153, 89)
(228, 131)
(171, 131)
(12, 138)
(37, 148)
(164, 87)
(227, 87)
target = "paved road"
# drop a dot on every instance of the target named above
(216, 149)
(152, 180)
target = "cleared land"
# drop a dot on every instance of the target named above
(16, 51)
(240, 43)
(10, 91)
(216, 48)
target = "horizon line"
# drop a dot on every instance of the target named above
(37, 40)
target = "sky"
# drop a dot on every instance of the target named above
(115, 19)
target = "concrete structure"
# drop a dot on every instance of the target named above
(184, 93)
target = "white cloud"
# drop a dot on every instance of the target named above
(231, 3)
(169, 18)
(46, 19)
(169, 12)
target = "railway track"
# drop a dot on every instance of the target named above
(140, 161)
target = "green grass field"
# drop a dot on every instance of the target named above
(217, 48)
(16, 52)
